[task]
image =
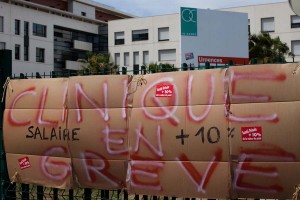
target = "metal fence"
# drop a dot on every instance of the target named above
(123, 71)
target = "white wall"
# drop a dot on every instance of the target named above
(152, 44)
(282, 18)
(12, 12)
(78, 8)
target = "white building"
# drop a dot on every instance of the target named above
(277, 19)
(139, 41)
(159, 39)
(50, 35)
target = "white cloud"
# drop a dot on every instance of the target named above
(159, 7)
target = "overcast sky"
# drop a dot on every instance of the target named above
(142, 8)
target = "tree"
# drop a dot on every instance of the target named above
(279, 50)
(265, 49)
(99, 63)
(292, 55)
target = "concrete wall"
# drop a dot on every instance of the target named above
(78, 8)
(282, 18)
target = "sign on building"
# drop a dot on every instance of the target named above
(213, 36)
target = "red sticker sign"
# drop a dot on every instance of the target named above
(164, 90)
(251, 133)
(24, 163)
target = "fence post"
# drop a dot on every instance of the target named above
(207, 65)
(192, 66)
(124, 70)
(5, 71)
(125, 195)
(40, 192)
(71, 194)
(37, 75)
(163, 68)
(144, 71)
(87, 194)
(25, 192)
(55, 194)
(105, 194)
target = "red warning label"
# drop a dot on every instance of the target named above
(24, 163)
(164, 90)
(251, 133)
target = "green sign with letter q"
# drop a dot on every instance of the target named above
(188, 18)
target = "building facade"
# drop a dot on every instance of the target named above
(277, 19)
(52, 35)
(166, 39)
(141, 41)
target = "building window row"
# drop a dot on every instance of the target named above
(26, 28)
(141, 35)
(119, 38)
(1, 24)
(163, 34)
(167, 55)
(39, 30)
(40, 55)
(17, 52)
(2, 45)
(126, 59)
(117, 59)
(164, 55)
(295, 21)
(26, 53)
(295, 44)
(17, 27)
(267, 25)
(146, 57)
(40, 52)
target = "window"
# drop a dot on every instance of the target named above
(139, 35)
(136, 67)
(17, 52)
(17, 27)
(119, 38)
(83, 14)
(117, 59)
(1, 24)
(26, 28)
(2, 45)
(39, 30)
(267, 24)
(145, 57)
(296, 47)
(295, 21)
(135, 58)
(163, 34)
(126, 59)
(26, 53)
(40, 55)
(167, 54)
